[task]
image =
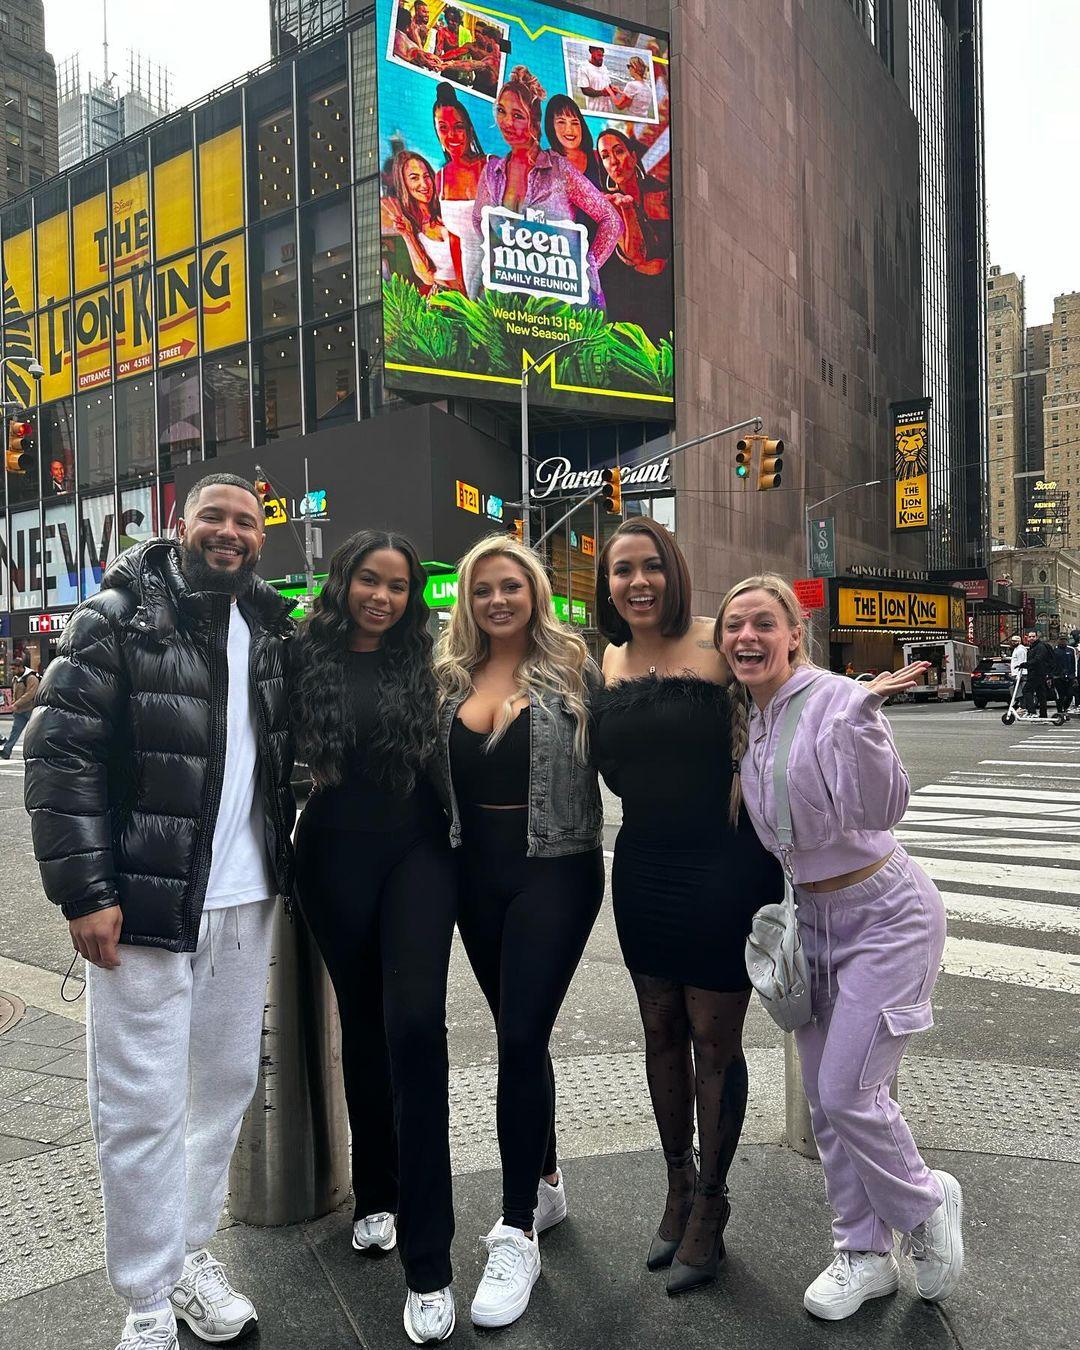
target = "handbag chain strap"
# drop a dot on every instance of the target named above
(784, 834)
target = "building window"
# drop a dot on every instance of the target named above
(324, 136)
(22, 483)
(14, 171)
(277, 389)
(35, 144)
(136, 455)
(56, 428)
(93, 420)
(179, 416)
(34, 177)
(330, 374)
(273, 272)
(13, 132)
(327, 258)
(12, 97)
(98, 544)
(226, 403)
(5, 21)
(365, 118)
(272, 186)
(22, 31)
(34, 109)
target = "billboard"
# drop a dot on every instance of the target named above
(525, 205)
(911, 447)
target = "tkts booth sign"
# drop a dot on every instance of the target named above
(93, 327)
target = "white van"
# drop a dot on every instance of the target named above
(952, 665)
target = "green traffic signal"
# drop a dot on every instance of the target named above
(741, 471)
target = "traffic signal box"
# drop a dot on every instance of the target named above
(770, 465)
(518, 529)
(744, 455)
(20, 446)
(611, 492)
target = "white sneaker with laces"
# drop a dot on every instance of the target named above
(376, 1231)
(149, 1331)
(430, 1317)
(936, 1246)
(550, 1204)
(513, 1267)
(208, 1303)
(848, 1281)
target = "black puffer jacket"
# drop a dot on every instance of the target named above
(125, 750)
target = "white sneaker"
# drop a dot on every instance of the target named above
(149, 1331)
(513, 1267)
(429, 1317)
(550, 1204)
(936, 1246)
(374, 1230)
(845, 1285)
(208, 1303)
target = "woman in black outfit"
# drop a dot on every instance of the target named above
(376, 882)
(685, 884)
(527, 816)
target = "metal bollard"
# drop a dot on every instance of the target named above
(292, 1158)
(798, 1131)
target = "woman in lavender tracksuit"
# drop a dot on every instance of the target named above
(873, 926)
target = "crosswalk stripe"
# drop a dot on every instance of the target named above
(984, 829)
(1051, 850)
(963, 790)
(1016, 876)
(1014, 806)
(1027, 966)
(1034, 763)
(1027, 915)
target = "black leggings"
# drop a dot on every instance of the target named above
(382, 909)
(524, 922)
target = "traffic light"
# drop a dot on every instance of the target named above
(744, 457)
(771, 464)
(518, 530)
(20, 446)
(611, 492)
(262, 487)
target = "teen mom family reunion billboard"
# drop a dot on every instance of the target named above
(526, 204)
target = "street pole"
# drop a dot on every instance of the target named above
(807, 513)
(309, 557)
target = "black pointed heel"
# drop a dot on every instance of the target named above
(662, 1250)
(681, 1279)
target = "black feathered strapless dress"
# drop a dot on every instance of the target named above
(685, 882)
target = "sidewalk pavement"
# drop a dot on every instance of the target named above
(312, 1291)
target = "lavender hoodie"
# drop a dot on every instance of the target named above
(846, 784)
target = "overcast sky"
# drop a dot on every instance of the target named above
(1032, 106)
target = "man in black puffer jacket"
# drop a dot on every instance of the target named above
(158, 758)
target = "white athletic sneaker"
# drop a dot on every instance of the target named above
(851, 1278)
(208, 1303)
(550, 1204)
(936, 1246)
(150, 1331)
(429, 1317)
(374, 1230)
(513, 1267)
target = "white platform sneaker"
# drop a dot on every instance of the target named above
(149, 1331)
(374, 1232)
(513, 1267)
(550, 1204)
(848, 1281)
(208, 1303)
(936, 1246)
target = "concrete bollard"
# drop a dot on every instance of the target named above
(798, 1131)
(292, 1158)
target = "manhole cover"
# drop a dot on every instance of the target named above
(11, 1011)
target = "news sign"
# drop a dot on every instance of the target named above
(525, 204)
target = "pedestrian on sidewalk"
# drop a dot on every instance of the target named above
(1040, 671)
(158, 761)
(377, 885)
(1064, 674)
(873, 927)
(685, 882)
(24, 687)
(515, 691)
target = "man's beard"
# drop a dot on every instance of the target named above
(200, 576)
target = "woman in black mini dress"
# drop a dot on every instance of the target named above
(685, 883)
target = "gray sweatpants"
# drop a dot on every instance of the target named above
(172, 1046)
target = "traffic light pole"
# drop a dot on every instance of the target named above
(754, 422)
(307, 547)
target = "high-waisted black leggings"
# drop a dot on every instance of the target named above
(524, 922)
(382, 909)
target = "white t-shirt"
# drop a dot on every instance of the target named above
(239, 866)
(598, 78)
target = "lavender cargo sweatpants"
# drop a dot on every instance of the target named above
(874, 951)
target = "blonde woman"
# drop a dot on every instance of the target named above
(514, 691)
(873, 926)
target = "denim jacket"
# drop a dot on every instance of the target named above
(565, 811)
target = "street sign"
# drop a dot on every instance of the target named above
(810, 593)
(823, 547)
(313, 504)
(276, 511)
(468, 497)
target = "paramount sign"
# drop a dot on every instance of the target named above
(555, 478)
(535, 257)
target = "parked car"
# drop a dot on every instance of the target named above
(992, 681)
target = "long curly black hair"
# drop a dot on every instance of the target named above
(405, 739)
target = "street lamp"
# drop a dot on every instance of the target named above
(526, 463)
(33, 368)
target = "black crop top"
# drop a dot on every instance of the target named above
(361, 801)
(664, 746)
(498, 777)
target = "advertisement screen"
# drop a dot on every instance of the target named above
(911, 443)
(525, 205)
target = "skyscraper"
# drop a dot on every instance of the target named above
(94, 114)
(28, 93)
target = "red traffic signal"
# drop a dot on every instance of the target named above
(20, 446)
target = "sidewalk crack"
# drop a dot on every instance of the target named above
(328, 1275)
